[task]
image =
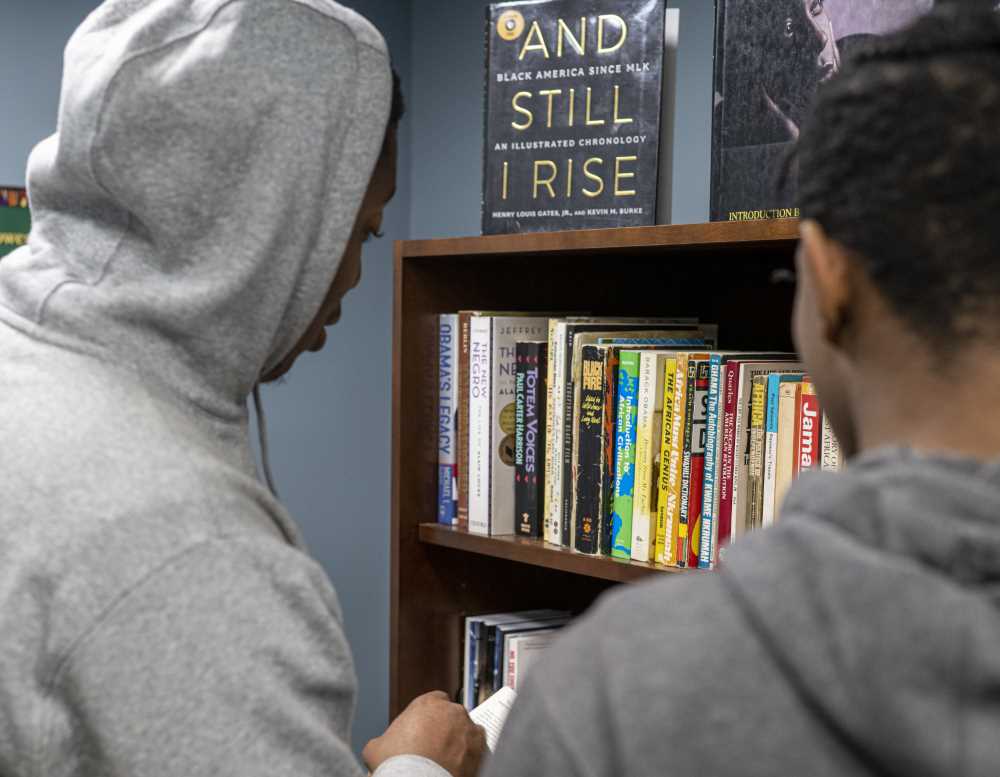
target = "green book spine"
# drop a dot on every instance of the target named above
(621, 518)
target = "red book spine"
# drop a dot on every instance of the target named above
(809, 433)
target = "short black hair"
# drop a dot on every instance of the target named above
(899, 161)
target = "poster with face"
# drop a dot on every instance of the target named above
(770, 58)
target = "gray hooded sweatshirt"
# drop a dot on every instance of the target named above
(158, 613)
(859, 637)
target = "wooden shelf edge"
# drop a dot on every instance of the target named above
(713, 234)
(541, 554)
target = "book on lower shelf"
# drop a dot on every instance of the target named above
(487, 644)
(648, 444)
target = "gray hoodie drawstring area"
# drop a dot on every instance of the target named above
(158, 613)
(265, 456)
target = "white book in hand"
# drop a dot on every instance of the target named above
(492, 714)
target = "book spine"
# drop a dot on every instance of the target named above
(832, 460)
(664, 522)
(699, 430)
(727, 467)
(589, 446)
(755, 469)
(529, 437)
(705, 547)
(741, 454)
(549, 421)
(447, 339)
(566, 510)
(810, 429)
(643, 531)
(462, 465)
(554, 443)
(471, 650)
(788, 396)
(611, 364)
(506, 331)
(480, 451)
(621, 520)
(676, 556)
(770, 449)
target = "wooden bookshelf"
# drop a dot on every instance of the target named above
(734, 274)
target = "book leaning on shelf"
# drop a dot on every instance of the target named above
(580, 99)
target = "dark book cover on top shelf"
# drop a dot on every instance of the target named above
(15, 219)
(770, 58)
(529, 437)
(575, 101)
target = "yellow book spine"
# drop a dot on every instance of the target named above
(664, 527)
(676, 452)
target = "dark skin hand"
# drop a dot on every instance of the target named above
(879, 382)
(368, 223)
(435, 728)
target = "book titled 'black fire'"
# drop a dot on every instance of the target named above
(574, 110)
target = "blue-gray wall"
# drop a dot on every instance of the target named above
(447, 114)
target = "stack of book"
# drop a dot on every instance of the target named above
(500, 647)
(633, 438)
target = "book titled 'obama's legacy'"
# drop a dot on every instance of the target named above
(579, 114)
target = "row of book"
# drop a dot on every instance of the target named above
(501, 647)
(634, 438)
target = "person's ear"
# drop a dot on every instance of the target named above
(829, 268)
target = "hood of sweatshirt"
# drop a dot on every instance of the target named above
(893, 635)
(190, 213)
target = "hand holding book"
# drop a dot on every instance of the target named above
(435, 728)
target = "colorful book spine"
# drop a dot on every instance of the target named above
(529, 437)
(679, 441)
(711, 468)
(611, 366)
(621, 520)
(648, 434)
(664, 522)
(696, 478)
(590, 447)
(810, 429)
(447, 512)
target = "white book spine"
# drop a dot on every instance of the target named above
(447, 405)
(503, 368)
(770, 468)
(480, 330)
(554, 444)
(786, 448)
(642, 525)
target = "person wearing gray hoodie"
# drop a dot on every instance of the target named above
(198, 216)
(860, 637)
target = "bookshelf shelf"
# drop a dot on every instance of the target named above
(539, 553)
(732, 274)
